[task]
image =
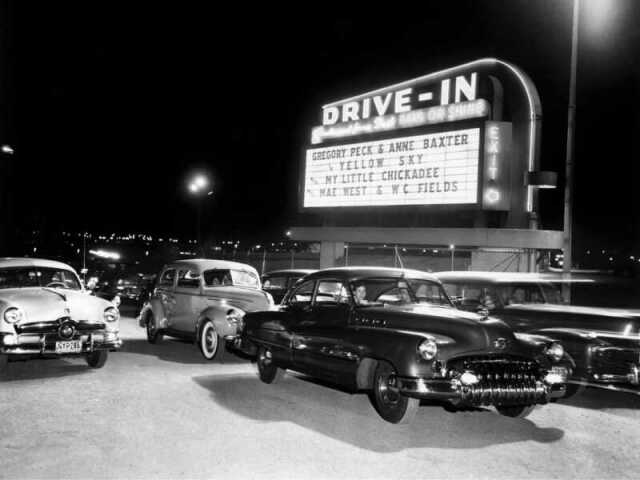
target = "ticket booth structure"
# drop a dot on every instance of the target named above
(448, 158)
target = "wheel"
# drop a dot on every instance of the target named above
(210, 343)
(4, 360)
(154, 335)
(267, 370)
(390, 404)
(515, 411)
(573, 389)
(98, 358)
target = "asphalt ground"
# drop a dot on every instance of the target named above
(162, 411)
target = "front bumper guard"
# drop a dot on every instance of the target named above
(529, 393)
(43, 344)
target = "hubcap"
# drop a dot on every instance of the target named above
(210, 339)
(387, 392)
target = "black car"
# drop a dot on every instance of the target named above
(603, 342)
(396, 334)
(278, 282)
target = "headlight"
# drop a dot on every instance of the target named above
(428, 349)
(13, 315)
(555, 351)
(235, 317)
(111, 314)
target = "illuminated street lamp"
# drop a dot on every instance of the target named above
(198, 186)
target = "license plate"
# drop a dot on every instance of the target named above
(72, 346)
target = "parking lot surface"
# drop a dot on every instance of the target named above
(162, 411)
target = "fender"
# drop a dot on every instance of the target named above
(218, 315)
(577, 343)
(401, 352)
(154, 306)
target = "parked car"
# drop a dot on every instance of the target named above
(396, 334)
(277, 282)
(203, 300)
(45, 312)
(603, 342)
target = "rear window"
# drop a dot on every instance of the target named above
(224, 277)
(273, 283)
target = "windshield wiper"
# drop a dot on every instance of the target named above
(53, 290)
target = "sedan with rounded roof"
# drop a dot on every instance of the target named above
(395, 334)
(45, 313)
(203, 300)
(603, 342)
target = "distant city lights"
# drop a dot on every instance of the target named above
(105, 254)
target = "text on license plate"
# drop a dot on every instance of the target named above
(72, 346)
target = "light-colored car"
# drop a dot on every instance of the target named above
(45, 312)
(203, 300)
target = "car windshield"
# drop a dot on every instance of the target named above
(222, 277)
(21, 277)
(474, 295)
(398, 291)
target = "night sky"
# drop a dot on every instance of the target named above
(111, 105)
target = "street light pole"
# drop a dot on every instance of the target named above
(568, 188)
(198, 224)
(198, 187)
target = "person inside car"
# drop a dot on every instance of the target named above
(361, 295)
(517, 296)
(487, 301)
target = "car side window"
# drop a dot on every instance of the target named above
(188, 279)
(331, 292)
(274, 283)
(166, 280)
(302, 294)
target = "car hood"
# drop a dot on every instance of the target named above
(578, 310)
(43, 304)
(455, 329)
(589, 319)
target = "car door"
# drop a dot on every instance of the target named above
(319, 337)
(165, 292)
(189, 301)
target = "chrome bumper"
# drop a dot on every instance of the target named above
(526, 393)
(45, 344)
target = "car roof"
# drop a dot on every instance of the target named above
(202, 264)
(356, 272)
(303, 271)
(491, 277)
(13, 262)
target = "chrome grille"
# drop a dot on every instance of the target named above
(503, 381)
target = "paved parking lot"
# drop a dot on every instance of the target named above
(162, 411)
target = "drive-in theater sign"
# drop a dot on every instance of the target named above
(464, 139)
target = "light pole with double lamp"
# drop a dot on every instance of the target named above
(199, 186)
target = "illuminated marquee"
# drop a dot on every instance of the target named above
(431, 169)
(405, 106)
(415, 118)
